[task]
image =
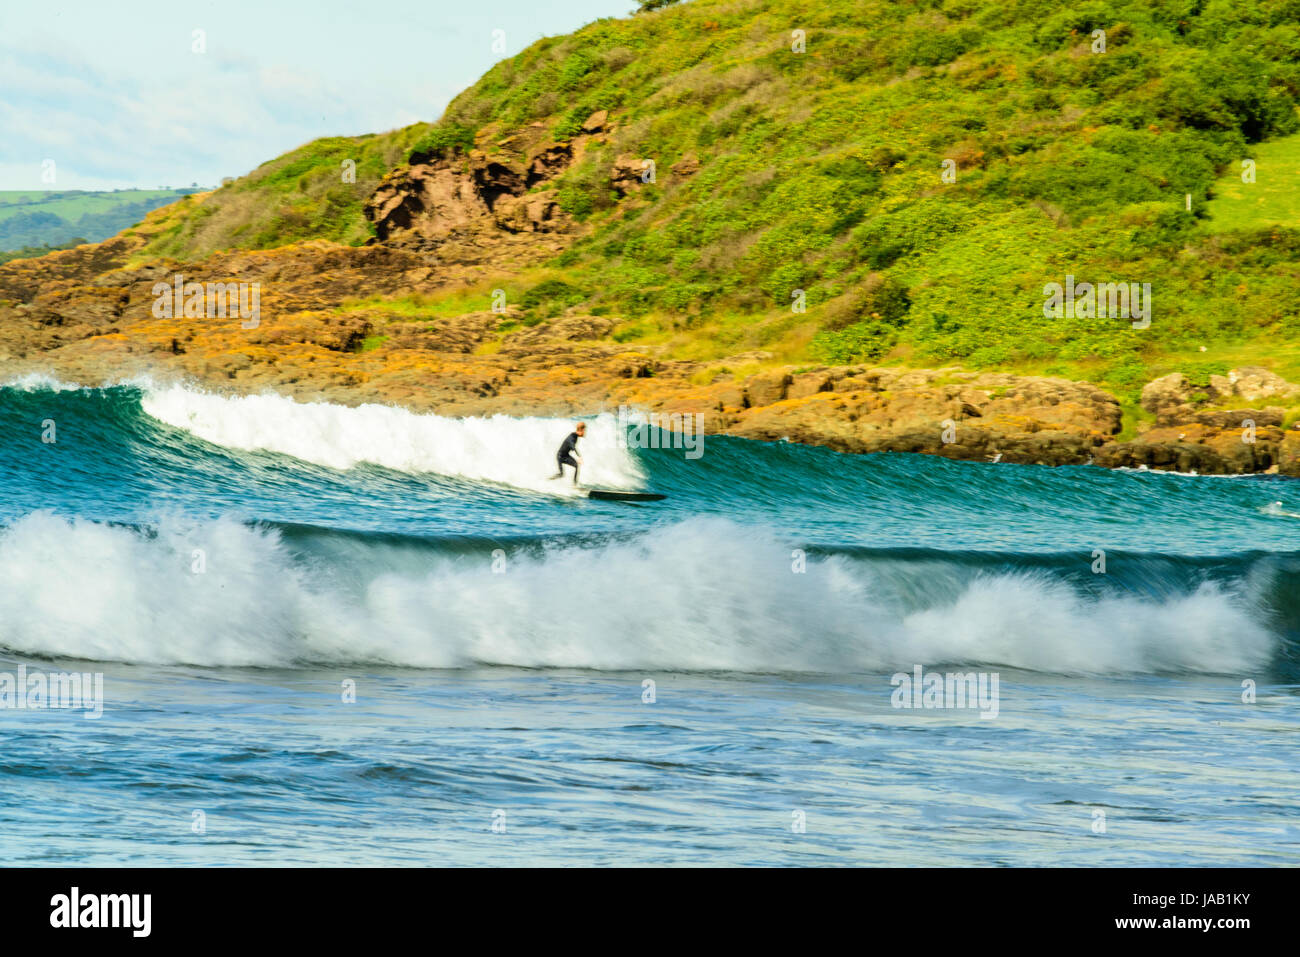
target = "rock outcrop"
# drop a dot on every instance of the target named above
(325, 331)
(1174, 398)
(948, 412)
(1194, 432)
(498, 186)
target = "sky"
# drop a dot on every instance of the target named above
(105, 95)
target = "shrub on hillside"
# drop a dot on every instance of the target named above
(551, 297)
(444, 140)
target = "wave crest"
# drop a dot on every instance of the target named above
(699, 595)
(513, 451)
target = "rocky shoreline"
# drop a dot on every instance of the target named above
(89, 315)
(84, 316)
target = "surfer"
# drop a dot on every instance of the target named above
(567, 455)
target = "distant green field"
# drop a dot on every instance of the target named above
(35, 218)
(1272, 200)
(72, 204)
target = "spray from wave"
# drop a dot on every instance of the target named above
(511, 451)
(699, 595)
(38, 382)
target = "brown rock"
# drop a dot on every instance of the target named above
(567, 328)
(550, 162)
(532, 212)
(1239, 418)
(809, 383)
(1254, 382)
(766, 388)
(425, 199)
(688, 165)
(1163, 394)
(1288, 454)
(625, 176)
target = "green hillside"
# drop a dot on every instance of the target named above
(821, 171)
(32, 219)
(300, 195)
(1273, 199)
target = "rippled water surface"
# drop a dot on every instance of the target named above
(544, 679)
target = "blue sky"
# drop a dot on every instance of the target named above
(115, 95)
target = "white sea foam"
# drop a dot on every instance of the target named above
(38, 382)
(700, 595)
(512, 451)
(1144, 470)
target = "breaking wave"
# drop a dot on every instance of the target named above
(701, 594)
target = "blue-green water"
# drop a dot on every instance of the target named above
(544, 679)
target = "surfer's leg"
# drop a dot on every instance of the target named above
(560, 462)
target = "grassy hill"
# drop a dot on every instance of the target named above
(300, 195)
(32, 219)
(822, 171)
(1272, 200)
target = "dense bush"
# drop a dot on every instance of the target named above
(551, 297)
(443, 140)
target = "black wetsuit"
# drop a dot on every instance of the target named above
(565, 455)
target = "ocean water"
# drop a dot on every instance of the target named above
(363, 636)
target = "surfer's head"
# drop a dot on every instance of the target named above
(581, 428)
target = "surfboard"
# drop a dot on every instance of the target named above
(625, 496)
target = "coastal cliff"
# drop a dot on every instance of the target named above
(86, 315)
(808, 223)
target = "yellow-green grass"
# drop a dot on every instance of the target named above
(1273, 199)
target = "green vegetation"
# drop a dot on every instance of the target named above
(33, 252)
(317, 191)
(445, 139)
(449, 302)
(1273, 199)
(551, 297)
(34, 219)
(821, 179)
(822, 172)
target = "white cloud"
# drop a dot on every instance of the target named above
(122, 101)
